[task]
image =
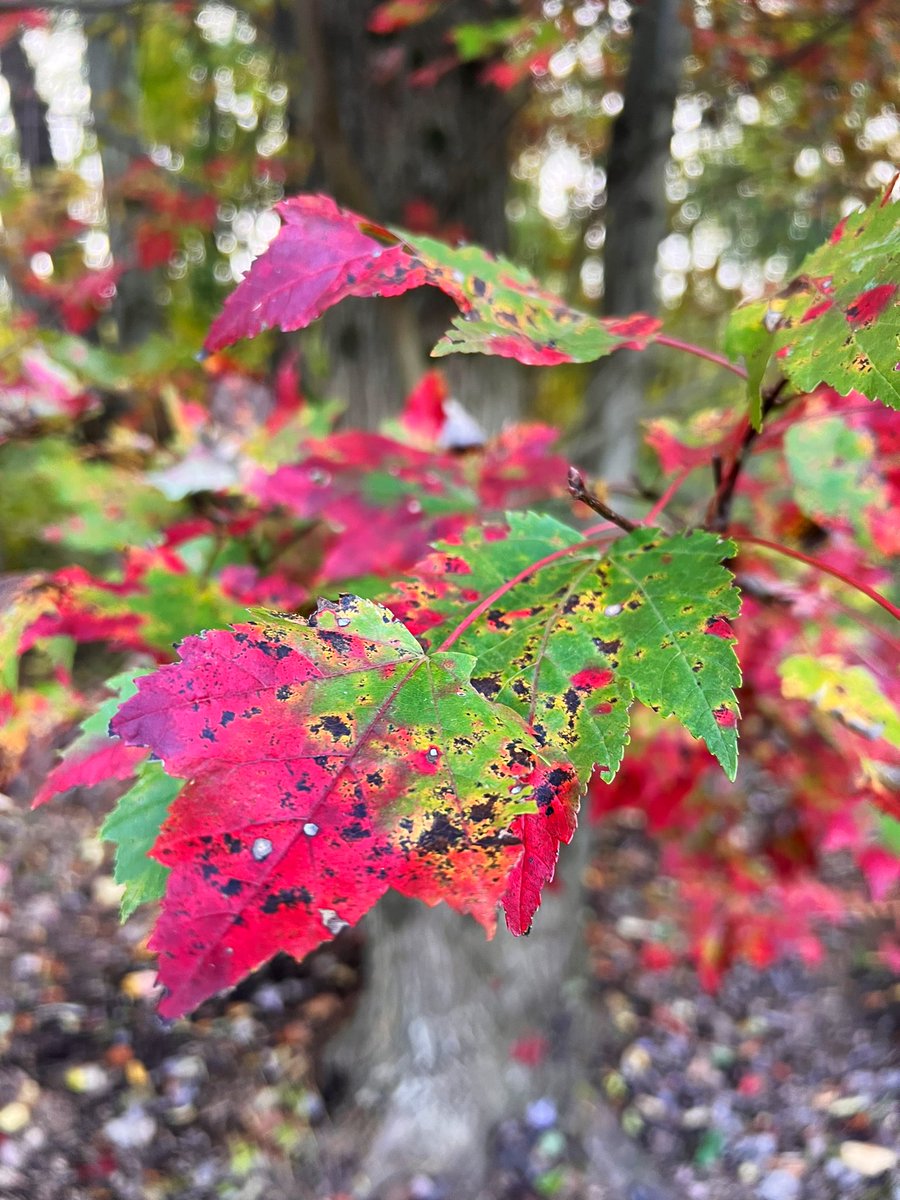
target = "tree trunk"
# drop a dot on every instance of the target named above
(112, 73)
(636, 222)
(377, 143)
(427, 1055)
(28, 109)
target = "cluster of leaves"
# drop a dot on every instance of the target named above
(434, 728)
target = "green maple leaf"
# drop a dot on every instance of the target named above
(134, 826)
(571, 645)
(833, 473)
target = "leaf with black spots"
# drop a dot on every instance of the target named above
(839, 321)
(572, 643)
(326, 761)
(324, 253)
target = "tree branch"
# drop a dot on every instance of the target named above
(719, 510)
(579, 490)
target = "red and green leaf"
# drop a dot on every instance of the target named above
(324, 254)
(95, 757)
(326, 761)
(841, 321)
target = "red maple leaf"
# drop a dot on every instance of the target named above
(326, 762)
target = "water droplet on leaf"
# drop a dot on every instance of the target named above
(332, 922)
(343, 622)
(310, 829)
(612, 610)
(261, 849)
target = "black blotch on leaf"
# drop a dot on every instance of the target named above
(355, 831)
(441, 836)
(336, 726)
(487, 686)
(336, 641)
(285, 898)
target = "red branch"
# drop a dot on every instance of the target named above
(700, 352)
(667, 495)
(747, 539)
(506, 586)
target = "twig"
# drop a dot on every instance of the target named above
(746, 539)
(719, 510)
(579, 491)
(700, 352)
(667, 495)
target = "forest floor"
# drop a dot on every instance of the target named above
(783, 1086)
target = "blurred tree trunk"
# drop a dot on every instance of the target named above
(30, 117)
(113, 78)
(636, 222)
(28, 109)
(375, 142)
(427, 1055)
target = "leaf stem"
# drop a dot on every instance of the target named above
(818, 565)
(719, 510)
(578, 488)
(700, 352)
(667, 495)
(508, 584)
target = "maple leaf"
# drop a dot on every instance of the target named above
(570, 645)
(156, 601)
(841, 319)
(850, 693)
(133, 825)
(324, 253)
(94, 757)
(685, 445)
(833, 472)
(326, 761)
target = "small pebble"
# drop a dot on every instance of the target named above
(134, 1129)
(187, 1067)
(14, 1117)
(867, 1158)
(89, 1079)
(541, 1114)
(780, 1185)
(139, 985)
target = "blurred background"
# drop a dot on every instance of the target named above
(680, 162)
(663, 156)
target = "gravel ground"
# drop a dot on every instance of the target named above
(784, 1086)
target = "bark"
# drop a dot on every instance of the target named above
(112, 73)
(636, 222)
(374, 142)
(30, 116)
(425, 1061)
(28, 109)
